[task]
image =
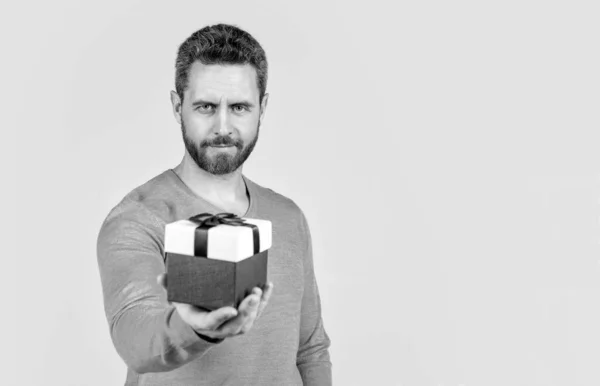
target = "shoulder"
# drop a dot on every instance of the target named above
(138, 211)
(277, 205)
(276, 199)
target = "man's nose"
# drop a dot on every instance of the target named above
(222, 124)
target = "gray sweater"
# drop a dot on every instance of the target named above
(287, 345)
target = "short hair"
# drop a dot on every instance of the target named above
(220, 44)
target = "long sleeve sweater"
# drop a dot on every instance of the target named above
(287, 345)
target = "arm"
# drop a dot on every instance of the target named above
(147, 332)
(313, 359)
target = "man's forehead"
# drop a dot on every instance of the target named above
(216, 81)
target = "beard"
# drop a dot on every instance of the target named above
(222, 162)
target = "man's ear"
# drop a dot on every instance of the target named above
(176, 103)
(263, 107)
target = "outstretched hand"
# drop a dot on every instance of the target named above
(224, 322)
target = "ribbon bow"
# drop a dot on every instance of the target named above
(205, 221)
(216, 219)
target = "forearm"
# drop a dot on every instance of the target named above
(147, 331)
(155, 340)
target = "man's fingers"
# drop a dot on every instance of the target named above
(247, 307)
(225, 321)
(267, 292)
(252, 310)
(205, 320)
(250, 304)
(265, 298)
(216, 318)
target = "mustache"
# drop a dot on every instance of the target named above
(220, 141)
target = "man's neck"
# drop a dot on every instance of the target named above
(224, 189)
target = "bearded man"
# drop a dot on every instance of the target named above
(219, 102)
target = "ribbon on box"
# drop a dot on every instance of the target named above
(206, 221)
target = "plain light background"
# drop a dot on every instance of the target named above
(445, 154)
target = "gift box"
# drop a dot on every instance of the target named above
(214, 261)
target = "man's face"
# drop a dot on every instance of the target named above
(220, 115)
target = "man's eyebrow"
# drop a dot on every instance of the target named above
(237, 103)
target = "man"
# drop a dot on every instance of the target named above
(220, 102)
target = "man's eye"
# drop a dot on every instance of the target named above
(239, 108)
(204, 107)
